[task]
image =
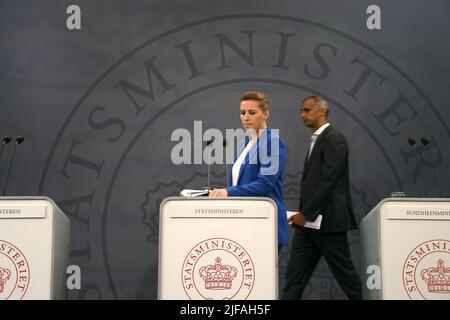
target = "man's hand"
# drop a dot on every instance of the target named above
(297, 219)
(218, 193)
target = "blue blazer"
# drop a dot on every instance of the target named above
(261, 175)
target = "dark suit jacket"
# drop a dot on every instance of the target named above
(325, 187)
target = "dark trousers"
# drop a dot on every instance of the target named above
(307, 248)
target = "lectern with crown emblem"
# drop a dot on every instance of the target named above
(34, 249)
(218, 249)
(406, 249)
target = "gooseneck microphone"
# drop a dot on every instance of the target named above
(424, 141)
(18, 141)
(225, 144)
(208, 143)
(5, 140)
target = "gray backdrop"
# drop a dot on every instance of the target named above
(97, 130)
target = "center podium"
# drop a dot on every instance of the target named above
(218, 249)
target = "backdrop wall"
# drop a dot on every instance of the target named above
(97, 107)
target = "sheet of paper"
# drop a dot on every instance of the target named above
(193, 192)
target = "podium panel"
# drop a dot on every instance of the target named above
(34, 249)
(218, 248)
(409, 239)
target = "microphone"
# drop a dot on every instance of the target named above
(5, 140)
(19, 140)
(424, 141)
(208, 143)
(411, 141)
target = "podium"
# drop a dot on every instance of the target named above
(406, 249)
(34, 249)
(218, 249)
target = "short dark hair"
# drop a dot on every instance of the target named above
(320, 103)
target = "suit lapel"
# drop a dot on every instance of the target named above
(305, 164)
(253, 152)
(240, 150)
(245, 162)
(241, 169)
(322, 136)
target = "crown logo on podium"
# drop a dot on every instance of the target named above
(437, 278)
(218, 276)
(5, 274)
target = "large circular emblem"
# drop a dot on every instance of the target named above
(110, 165)
(426, 272)
(218, 269)
(14, 272)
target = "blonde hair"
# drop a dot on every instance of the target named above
(261, 98)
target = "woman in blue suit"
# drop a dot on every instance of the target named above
(258, 169)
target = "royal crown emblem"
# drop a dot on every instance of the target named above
(5, 274)
(218, 276)
(437, 278)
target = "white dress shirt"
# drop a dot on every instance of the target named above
(315, 136)
(240, 160)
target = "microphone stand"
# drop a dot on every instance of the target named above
(208, 143)
(5, 140)
(226, 164)
(412, 142)
(19, 140)
(209, 169)
(425, 142)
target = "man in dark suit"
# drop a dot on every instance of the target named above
(325, 190)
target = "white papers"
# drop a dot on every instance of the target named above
(193, 192)
(313, 225)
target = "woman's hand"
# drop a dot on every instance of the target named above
(218, 193)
